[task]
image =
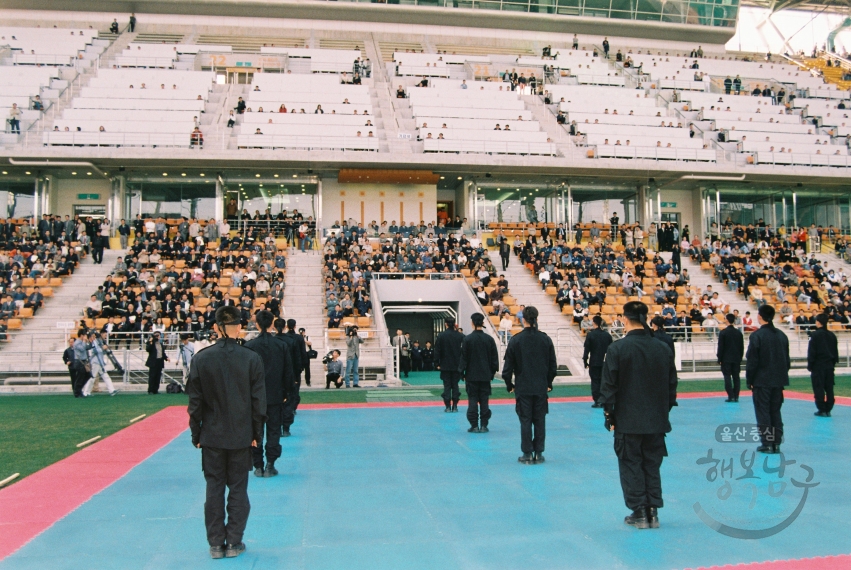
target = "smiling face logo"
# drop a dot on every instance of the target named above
(726, 517)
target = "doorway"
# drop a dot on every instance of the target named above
(241, 75)
(445, 211)
(671, 218)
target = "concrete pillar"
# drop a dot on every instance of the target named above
(317, 205)
(220, 199)
(644, 214)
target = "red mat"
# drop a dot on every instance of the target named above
(31, 506)
(819, 563)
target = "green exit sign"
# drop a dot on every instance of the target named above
(88, 196)
(243, 64)
(669, 204)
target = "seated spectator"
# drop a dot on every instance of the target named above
(196, 138)
(400, 93)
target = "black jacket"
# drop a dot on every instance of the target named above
(300, 359)
(639, 384)
(768, 358)
(150, 346)
(227, 396)
(479, 357)
(447, 350)
(596, 344)
(531, 357)
(665, 339)
(731, 345)
(277, 364)
(822, 351)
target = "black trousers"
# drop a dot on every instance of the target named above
(405, 365)
(451, 392)
(823, 382)
(504, 262)
(73, 374)
(155, 373)
(290, 406)
(732, 382)
(80, 378)
(478, 396)
(417, 365)
(532, 411)
(226, 468)
(767, 403)
(596, 373)
(273, 437)
(639, 459)
(97, 254)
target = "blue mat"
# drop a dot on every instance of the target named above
(409, 488)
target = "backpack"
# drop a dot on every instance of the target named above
(174, 388)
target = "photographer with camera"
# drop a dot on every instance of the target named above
(353, 342)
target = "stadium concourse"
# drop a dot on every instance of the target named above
(373, 171)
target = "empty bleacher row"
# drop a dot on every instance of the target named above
(488, 114)
(51, 46)
(134, 107)
(307, 112)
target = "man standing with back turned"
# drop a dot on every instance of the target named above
(639, 389)
(278, 367)
(227, 403)
(479, 362)
(447, 358)
(822, 357)
(767, 373)
(597, 342)
(531, 358)
(731, 348)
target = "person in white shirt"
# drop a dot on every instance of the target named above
(150, 226)
(505, 325)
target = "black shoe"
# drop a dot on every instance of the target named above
(217, 552)
(286, 433)
(821, 414)
(447, 410)
(358, 386)
(827, 414)
(258, 472)
(596, 405)
(653, 517)
(473, 429)
(270, 470)
(484, 429)
(526, 458)
(232, 551)
(539, 458)
(638, 518)
(730, 400)
(767, 448)
(736, 399)
(454, 408)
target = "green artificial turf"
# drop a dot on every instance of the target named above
(37, 430)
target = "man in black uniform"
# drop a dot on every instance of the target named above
(767, 372)
(822, 356)
(227, 402)
(531, 357)
(479, 362)
(504, 252)
(597, 342)
(639, 389)
(278, 367)
(657, 328)
(300, 361)
(731, 348)
(447, 359)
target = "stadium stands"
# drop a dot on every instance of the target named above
(134, 107)
(321, 113)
